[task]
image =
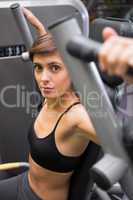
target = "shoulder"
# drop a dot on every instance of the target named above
(78, 113)
(79, 117)
(82, 122)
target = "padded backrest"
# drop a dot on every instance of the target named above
(17, 109)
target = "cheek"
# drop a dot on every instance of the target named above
(36, 76)
(64, 82)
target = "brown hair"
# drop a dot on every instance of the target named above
(44, 44)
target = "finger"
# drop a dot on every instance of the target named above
(130, 62)
(108, 32)
(114, 56)
(104, 53)
(129, 56)
(111, 37)
(121, 70)
(126, 57)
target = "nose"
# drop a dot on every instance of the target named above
(45, 76)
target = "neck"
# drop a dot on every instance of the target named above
(61, 102)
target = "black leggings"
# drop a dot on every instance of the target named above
(17, 188)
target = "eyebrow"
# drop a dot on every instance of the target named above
(50, 63)
(36, 63)
(53, 63)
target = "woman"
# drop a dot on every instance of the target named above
(61, 132)
(60, 129)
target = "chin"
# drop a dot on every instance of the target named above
(50, 96)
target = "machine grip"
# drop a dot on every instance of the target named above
(22, 24)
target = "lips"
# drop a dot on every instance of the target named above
(46, 89)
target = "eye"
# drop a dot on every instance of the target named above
(55, 67)
(37, 67)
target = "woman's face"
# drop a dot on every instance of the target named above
(51, 75)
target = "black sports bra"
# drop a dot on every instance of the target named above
(45, 153)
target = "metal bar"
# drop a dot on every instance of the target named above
(22, 24)
(76, 4)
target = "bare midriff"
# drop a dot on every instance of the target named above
(47, 184)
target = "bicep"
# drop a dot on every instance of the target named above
(86, 127)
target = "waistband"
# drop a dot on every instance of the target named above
(26, 193)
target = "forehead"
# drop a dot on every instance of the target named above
(49, 57)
